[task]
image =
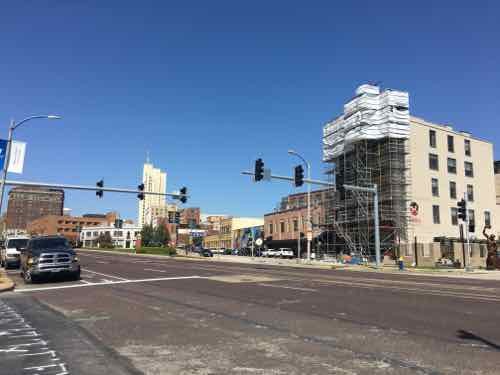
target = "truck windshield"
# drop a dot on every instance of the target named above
(17, 243)
(50, 243)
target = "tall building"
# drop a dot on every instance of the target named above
(30, 203)
(154, 180)
(421, 170)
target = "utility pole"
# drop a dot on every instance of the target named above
(467, 262)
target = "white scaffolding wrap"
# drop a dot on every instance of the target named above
(370, 115)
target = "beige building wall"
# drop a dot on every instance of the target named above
(420, 191)
(154, 180)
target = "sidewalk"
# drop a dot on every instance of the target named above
(6, 284)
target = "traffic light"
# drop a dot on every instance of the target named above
(259, 170)
(100, 184)
(183, 197)
(141, 194)
(462, 210)
(299, 176)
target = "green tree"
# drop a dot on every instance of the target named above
(161, 236)
(147, 234)
(105, 241)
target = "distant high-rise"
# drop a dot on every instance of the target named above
(154, 180)
(30, 203)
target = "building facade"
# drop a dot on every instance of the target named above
(447, 165)
(230, 234)
(421, 169)
(213, 222)
(154, 180)
(123, 238)
(190, 217)
(30, 203)
(68, 226)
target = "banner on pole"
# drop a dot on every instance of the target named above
(3, 150)
(16, 160)
(17, 153)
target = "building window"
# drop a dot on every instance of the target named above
(295, 225)
(452, 165)
(467, 147)
(435, 215)
(451, 144)
(435, 187)
(469, 169)
(470, 193)
(453, 190)
(282, 227)
(433, 162)
(454, 216)
(472, 218)
(487, 218)
(432, 138)
(270, 228)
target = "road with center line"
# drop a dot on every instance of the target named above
(138, 314)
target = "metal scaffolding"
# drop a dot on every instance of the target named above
(349, 214)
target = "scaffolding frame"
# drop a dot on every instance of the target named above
(349, 215)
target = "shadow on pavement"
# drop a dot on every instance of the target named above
(466, 335)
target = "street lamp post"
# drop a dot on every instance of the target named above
(13, 126)
(309, 226)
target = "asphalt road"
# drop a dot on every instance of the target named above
(132, 315)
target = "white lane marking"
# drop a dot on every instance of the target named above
(289, 287)
(85, 282)
(107, 283)
(98, 261)
(152, 269)
(103, 274)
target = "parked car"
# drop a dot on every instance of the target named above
(286, 252)
(48, 256)
(206, 253)
(271, 253)
(10, 252)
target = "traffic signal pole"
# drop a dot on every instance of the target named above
(92, 188)
(292, 179)
(467, 259)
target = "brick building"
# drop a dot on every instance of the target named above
(30, 203)
(68, 226)
(282, 228)
(190, 217)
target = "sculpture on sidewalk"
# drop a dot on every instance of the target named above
(491, 260)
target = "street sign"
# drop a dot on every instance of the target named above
(258, 241)
(267, 174)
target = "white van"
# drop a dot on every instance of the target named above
(10, 254)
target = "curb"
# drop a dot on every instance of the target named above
(9, 285)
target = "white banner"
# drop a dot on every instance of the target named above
(16, 161)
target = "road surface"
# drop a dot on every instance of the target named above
(141, 315)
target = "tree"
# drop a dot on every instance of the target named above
(161, 236)
(105, 241)
(155, 236)
(147, 235)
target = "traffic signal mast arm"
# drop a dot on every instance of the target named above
(292, 179)
(92, 188)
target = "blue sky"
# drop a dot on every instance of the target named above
(207, 87)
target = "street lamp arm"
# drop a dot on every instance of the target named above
(16, 125)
